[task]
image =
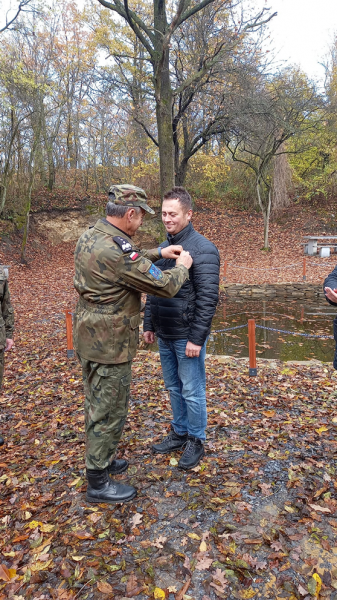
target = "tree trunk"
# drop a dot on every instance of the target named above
(181, 172)
(164, 125)
(265, 208)
(27, 216)
(164, 99)
(31, 170)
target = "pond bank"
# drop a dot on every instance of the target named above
(261, 362)
(271, 290)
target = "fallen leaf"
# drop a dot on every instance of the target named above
(246, 594)
(302, 590)
(159, 542)
(41, 566)
(4, 573)
(136, 519)
(317, 508)
(312, 586)
(319, 583)
(277, 546)
(104, 587)
(33, 524)
(46, 527)
(203, 547)
(194, 536)
(131, 585)
(173, 462)
(159, 594)
(322, 429)
(203, 563)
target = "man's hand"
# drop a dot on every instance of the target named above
(192, 350)
(9, 344)
(148, 337)
(185, 259)
(171, 251)
(331, 294)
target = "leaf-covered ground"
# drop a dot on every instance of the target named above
(256, 519)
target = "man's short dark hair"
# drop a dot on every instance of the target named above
(118, 210)
(179, 193)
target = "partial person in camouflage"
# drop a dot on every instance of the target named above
(110, 275)
(6, 324)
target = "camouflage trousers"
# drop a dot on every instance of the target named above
(107, 392)
(2, 366)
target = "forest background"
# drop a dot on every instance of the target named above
(158, 95)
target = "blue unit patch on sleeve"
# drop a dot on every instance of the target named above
(155, 272)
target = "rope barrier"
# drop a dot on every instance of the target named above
(230, 328)
(308, 335)
(251, 338)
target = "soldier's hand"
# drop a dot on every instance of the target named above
(148, 337)
(185, 259)
(171, 251)
(9, 344)
(331, 294)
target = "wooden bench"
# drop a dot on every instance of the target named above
(318, 241)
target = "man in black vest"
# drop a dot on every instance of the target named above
(182, 325)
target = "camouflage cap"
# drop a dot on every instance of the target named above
(129, 195)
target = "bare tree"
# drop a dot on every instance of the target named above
(266, 117)
(155, 32)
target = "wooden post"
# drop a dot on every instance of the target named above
(225, 270)
(252, 348)
(304, 269)
(69, 328)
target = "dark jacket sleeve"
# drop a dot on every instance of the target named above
(331, 282)
(148, 326)
(7, 312)
(206, 268)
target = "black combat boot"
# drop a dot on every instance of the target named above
(2, 441)
(103, 489)
(193, 452)
(171, 442)
(118, 466)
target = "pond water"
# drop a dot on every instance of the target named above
(314, 317)
(294, 315)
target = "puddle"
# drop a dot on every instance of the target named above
(294, 315)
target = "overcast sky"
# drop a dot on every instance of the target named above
(301, 33)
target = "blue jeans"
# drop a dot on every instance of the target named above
(185, 379)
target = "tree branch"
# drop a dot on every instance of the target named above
(20, 8)
(192, 11)
(136, 24)
(148, 133)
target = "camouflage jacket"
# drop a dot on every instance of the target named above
(110, 274)
(6, 311)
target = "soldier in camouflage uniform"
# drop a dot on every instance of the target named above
(6, 324)
(110, 274)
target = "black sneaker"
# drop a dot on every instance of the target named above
(117, 466)
(193, 453)
(2, 441)
(171, 442)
